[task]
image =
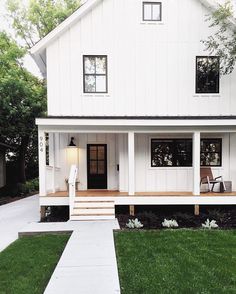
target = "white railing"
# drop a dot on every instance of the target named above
(72, 188)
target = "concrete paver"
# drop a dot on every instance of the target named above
(88, 263)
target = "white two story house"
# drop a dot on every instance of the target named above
(136, 108)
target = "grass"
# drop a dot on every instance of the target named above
(177, 261)
(27, 265)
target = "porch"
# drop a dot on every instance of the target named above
(107, 193)
(127, 153)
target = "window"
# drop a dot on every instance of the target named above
(171, 152)
(152, 11)
(95, 74)
(178, 152)
(211, 152)
(207, 74)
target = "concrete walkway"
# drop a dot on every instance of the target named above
(88, 263)
(14, 216)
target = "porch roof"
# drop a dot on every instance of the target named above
(186, 124)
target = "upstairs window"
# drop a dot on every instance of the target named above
(207, 74)
(95, 73)
(152, 11)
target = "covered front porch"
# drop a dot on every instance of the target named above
(134, 174)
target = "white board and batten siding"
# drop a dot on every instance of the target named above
(151, 66)
(147, 178)
(82, 140)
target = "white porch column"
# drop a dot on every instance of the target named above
(52, 158)
(42, 163)
(196, 163)
(131, 163)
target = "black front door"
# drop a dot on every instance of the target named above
(97, 166)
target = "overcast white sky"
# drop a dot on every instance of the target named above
(28, 61)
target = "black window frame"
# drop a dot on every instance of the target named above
(175, 154)
(152, 3)
(212, 140)
(197, 77)
(209, 140)
(95, 74)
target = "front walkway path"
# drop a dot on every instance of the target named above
(14, 216)
(88, 263)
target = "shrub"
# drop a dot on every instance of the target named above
(186, 219)
(170, 223)
(28, 187)
(134, 224)
(210, 224)
(32, 185)
(149, 219)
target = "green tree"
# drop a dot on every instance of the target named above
(23, 96)
(33, 21)
(22, 99)
(223, 42)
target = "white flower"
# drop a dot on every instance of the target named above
(134, 224)
(210, 224)
(170, 223)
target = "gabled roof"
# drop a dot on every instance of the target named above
(38, 51)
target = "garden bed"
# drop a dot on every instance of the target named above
(152, 217)
(18, 191)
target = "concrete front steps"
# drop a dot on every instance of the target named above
(93, 210)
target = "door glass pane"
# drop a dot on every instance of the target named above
(93, 167)
(147, 12)
(100, 83)
(156, 12)
(100, 65)
(93, 153)
(101, 167)
(89, 84)
(89, 65)
(101, 152)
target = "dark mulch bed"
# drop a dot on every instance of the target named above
(8, 199)
(152, 217)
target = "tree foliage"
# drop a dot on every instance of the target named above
(33, 21)
(23, 96)
(222, 43)
(22, 99)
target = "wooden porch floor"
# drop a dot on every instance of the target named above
(109, 193)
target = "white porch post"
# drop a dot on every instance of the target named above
(196, 163)
(42, 163)
(52, 158)
(131, 163)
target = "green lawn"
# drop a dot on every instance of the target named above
(27, 265)
(176, 261)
